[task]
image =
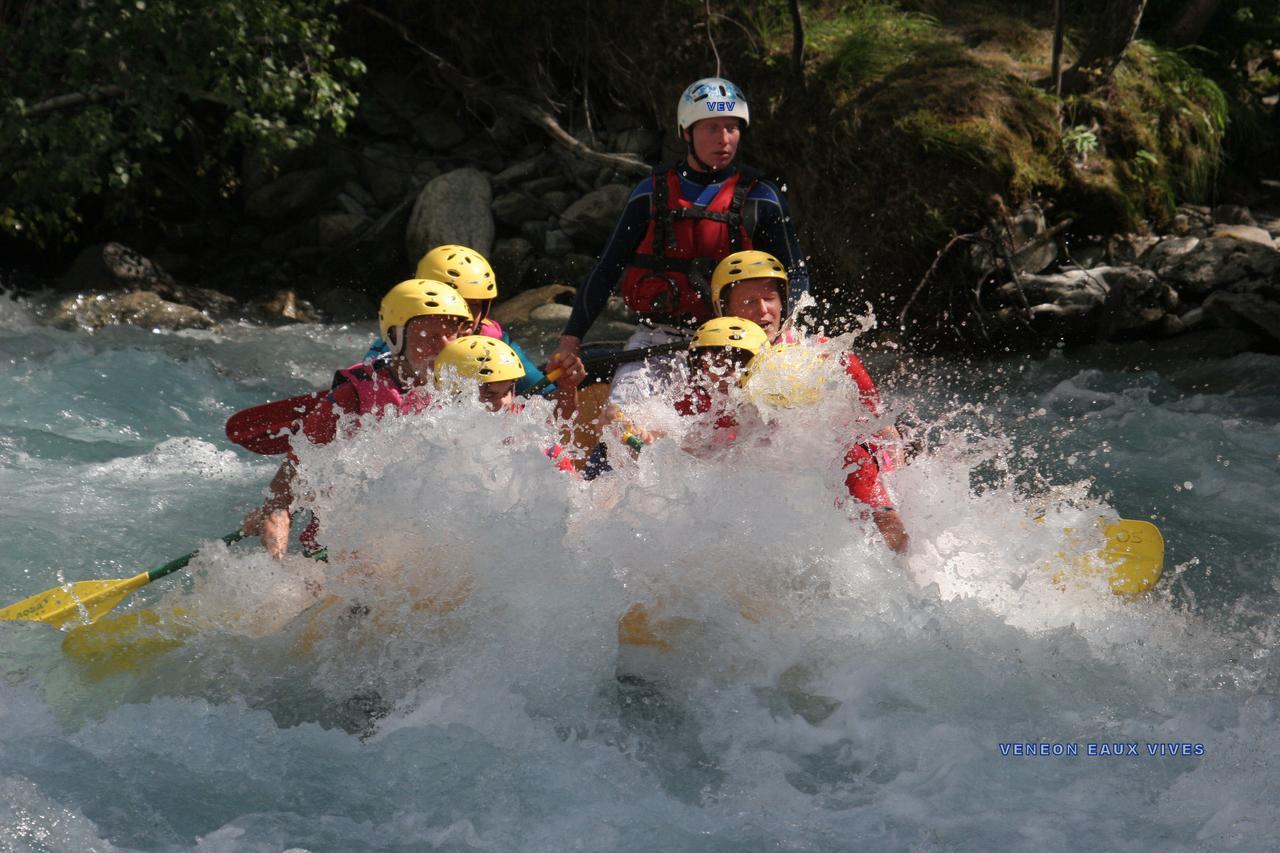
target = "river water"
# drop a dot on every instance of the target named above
(454, 683)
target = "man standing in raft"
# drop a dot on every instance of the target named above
(677, 225)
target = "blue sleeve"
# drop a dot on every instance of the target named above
(775, 233)
(594, 293)
(532, 375)
(377, 348)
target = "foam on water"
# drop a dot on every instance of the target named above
(448, 678)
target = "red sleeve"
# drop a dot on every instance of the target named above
(867, 392)
(863, 479)
(320, 426)
(563, 461)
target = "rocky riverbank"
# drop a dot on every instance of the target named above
(322, 235)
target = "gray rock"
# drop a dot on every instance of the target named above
(1271, 223)
(609, 330)
(1160, 255)
(452, 208)
(136, 307)
(544, 185)
(516, 310)
(1246, 311)
(1136, 301)
(1216, 263)
(337, 229)
(535, 231)
(1232, 214)
(558, 244)
(111, 266)
(284, 306)
(510, 260)
(1103, 302)
(295, 193)
(558, 201)
(523, 170)
(354, 198)
(1251, 233)
(579, 172)
(1128, 248)
(208, 300)
(1088, 257)
(551, 312)
(1170, 325)
(513, 208)
(591, 219)
(440, 132)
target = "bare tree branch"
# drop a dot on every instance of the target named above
(507, 102)
(712, 39)
(74, 99)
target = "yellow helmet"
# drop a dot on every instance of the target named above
(478, 357)
(417, 297)
(465, 269)
(744, 265)
(732, 332)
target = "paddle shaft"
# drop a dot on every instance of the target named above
(614, 359)
(181, 563)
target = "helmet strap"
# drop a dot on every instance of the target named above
(395, 339)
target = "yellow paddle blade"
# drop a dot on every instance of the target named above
(1132, 557)
(124, 642)
(787, 376)
(78, 602)
(1135, 550)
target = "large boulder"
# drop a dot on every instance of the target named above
(452, 208)
(135, 307)
(113, 266)
(590, 220)
(1245, 232)
(516, 310)
(1250, 312)
(1200, 267)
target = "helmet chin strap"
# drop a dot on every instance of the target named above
(395, 339)
(688, 140)
(706, 167)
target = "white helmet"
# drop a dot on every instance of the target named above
(711, 97)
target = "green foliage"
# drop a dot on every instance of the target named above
(98, 91)
(1163, 105)
(1080, 141)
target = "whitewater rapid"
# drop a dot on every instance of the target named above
(457, 686)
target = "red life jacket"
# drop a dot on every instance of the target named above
(669, 275)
